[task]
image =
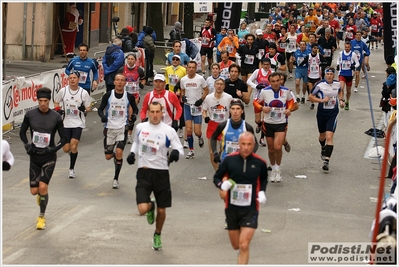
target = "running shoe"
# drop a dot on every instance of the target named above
(225, 224)
(180, 133)
(368, 67)
(289, 75)
(257, 130)
(71, 173)
(201, 142)
(272, 177)
(287, 147)
(190, 154)
(115, 184)
(355, 90)
(151, 213)
(38, 199)
(269, 168)
(262, 142)
(41, 223)
(346, 105)
(185, 144)
(325, 166)
(298, 100)
(129, 139)
(277, 176)
(312, 106)
(323, 155)
(157, 244)
(302, 100)
(372, 48)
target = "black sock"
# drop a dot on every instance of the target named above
(323, 144)
(73, 157)
(118, 167)
(329, 150)
(155, 233)
(43, 204)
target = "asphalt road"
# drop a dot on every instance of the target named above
(88, 222)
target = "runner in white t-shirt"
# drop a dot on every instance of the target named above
(75, 102)
(193, 91)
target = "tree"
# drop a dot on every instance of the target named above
(155, 19)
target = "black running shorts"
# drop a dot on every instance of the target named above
(241, 218)
(157, 181)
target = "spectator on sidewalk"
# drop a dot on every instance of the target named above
(175, 33)
(112, 61)
(149, 45)
(70, 28)
(127, 43)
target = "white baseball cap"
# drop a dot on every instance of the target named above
(159, 77)
(259, 32)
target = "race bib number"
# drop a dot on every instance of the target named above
(204, 41)
(346, 64)
(349, 35)
(374, 27)
(132, 87)
(118, 112)
(241, 195)
(173, 79)
(225, 73)
(283, 45)
(249, 59)
(229, 48)
(41, 140)
(314, 67)
(299, 60)
(327, 52)
(218, 115)
(291, 46)
(357, 54)
(71, 111)
(261, 53)
(232, 147)
(82, 77)
(331, 103)
(276, 114)
(149, 147)
(195, 111)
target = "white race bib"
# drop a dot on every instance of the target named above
(276, 113)
(327, 52)
(218, 115)
(331, 103)
(232, 147)
(82, 77)
(241, 195)
(195, 111)
(249, 59)
(149, 147)
(41, 140)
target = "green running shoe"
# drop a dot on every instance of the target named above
(157, 244)
(150, 213)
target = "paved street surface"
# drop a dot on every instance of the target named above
(88, 222)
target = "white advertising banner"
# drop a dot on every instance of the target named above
(202, 7)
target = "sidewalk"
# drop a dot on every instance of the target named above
(24, 68)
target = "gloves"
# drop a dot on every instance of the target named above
(6, 166)
(144, 120)
(175, 125)
(353, 67)
(82, 108)
(337, 67)
(30, 149)
(104, 119)
(198, 102)
(226, 185)
(141, 86)
(50, 150)
(184, 99)
(167, 87)
(260, 86)
(174, 155)
(216, 157)
(207, 119)
(262, 197)
(59, 110)
(131, 158)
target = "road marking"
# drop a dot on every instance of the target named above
(61, 226)
(14, 256)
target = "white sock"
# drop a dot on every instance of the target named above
(276, 167)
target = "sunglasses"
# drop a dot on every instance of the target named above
(235, 101)
(175, 59)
